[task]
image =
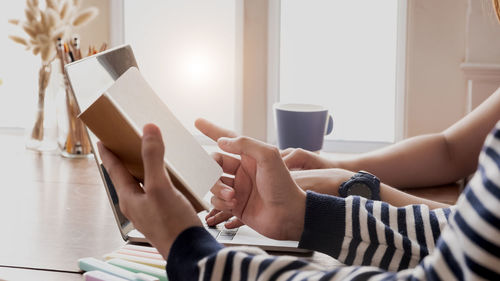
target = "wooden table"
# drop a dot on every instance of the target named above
(8, 273)
(54, 211)
(447, 194)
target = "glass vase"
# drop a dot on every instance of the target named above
(42, 135)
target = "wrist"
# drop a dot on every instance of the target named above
(294, 225)
(331, 163)
(166, 238)
(361, 184)
(341, 176)
(162, 245)
(346, 163)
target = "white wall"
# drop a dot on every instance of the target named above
(482, 53)
(97, 31)
(483, 33)
(453, 52)
(436, 47)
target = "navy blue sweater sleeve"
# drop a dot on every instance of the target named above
(355, 230)
(192, 245)
(324, 224)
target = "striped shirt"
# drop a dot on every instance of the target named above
(377, 241)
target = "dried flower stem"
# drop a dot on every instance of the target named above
(43, 82)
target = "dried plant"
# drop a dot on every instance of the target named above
(44, 27)
(43, 81)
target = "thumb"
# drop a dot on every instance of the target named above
(153, 151)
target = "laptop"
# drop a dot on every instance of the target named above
(93, 75)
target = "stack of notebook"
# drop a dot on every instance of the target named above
(131, 262)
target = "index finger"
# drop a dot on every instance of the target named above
(260, 151)
(213, 131)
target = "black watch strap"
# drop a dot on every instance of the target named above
(362, 184)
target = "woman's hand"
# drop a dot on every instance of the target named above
(157, 209)
(325, 181)
(300, 159)
(295, 158)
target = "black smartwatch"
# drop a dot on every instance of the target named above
(362, 184)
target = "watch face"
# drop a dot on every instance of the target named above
(360, 189)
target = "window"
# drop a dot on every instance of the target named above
(186, 50)
(343, 55)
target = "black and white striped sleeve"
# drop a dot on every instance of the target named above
(364, 232)
(354, 230)
(467, 249)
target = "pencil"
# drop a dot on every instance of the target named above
(66, 52)
(60, 53)
(76, 47)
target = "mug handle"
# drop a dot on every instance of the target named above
(329, 125)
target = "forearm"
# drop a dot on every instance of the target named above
(328, 181)
(418, 161)
(399, 198)
(432, 159)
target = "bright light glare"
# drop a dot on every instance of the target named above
(197, 68)
(186, 50)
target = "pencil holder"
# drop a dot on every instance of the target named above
(76, 143)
